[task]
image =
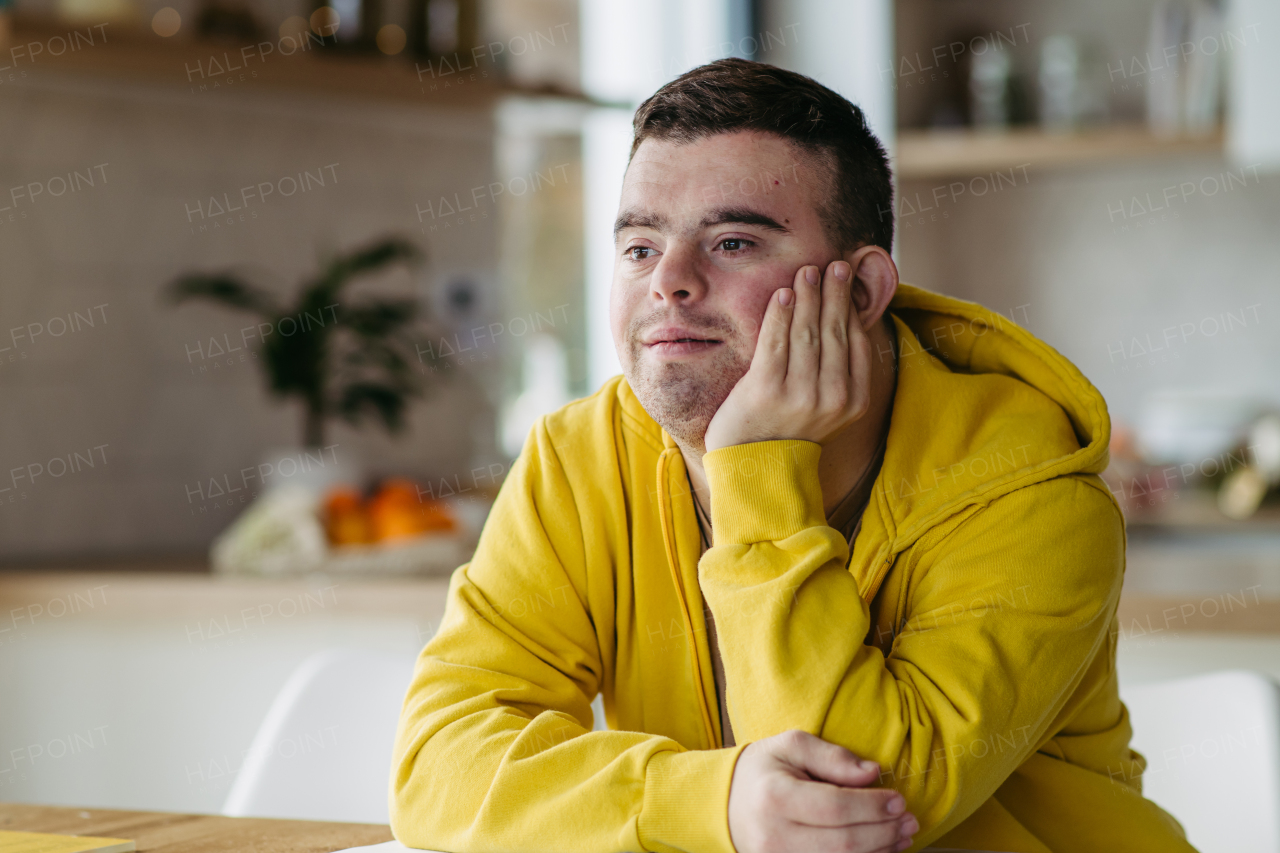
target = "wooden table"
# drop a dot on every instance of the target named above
(193, 833)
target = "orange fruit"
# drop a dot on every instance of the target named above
(399, 511)
(345, 520)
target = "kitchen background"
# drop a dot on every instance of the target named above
(1106, 174)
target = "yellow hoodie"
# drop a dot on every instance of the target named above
(967, 643)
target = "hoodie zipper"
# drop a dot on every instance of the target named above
(673, 562)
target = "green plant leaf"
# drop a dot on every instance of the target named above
(223, 288)
(364, 399)
(340, 360)
(376, 319)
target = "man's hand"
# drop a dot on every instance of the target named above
(810, 376)
(796, 792)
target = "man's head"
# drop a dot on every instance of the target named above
(740, 174)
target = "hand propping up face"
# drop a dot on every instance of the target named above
(810, 374)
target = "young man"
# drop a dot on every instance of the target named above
(835, 551)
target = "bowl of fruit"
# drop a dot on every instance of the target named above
(392, 529)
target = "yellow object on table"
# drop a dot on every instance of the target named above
(43, 842)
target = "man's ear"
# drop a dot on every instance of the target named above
(875, 280)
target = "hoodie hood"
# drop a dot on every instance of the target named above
(981, 408)
(969, 338)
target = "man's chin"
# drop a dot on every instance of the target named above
(682, 401)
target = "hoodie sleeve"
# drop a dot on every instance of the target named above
(494, 749)
(1005, 607)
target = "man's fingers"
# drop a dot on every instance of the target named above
(823, 804)
(865, 838)
(833, 377)
(859, 366)
(823, 760)
(805, 335)
(773, 342)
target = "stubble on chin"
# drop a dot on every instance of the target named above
(683, 397)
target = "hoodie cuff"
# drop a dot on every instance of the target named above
(686, 801)
(764, 491)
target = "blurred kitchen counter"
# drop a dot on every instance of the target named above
(1183, 549)
(1227, 584)
(180, 668)
(115, 594)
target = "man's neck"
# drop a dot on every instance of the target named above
(845, 457)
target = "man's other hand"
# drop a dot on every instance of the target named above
(810, 375)
(796, 792)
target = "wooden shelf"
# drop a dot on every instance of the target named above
(195, 66)
(945, 154)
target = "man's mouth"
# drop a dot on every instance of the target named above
(676, 341)
(682, 346)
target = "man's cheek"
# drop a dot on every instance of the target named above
(751, 310)
(620, 312)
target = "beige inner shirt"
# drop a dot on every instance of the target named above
(845, 517)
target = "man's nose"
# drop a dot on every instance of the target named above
(676, 278)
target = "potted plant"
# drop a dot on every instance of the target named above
(340, 356)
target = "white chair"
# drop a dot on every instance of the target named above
(324, 750)
(1212, 744)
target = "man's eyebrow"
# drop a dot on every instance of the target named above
(719, 216)
(638, 219)
(742, 216)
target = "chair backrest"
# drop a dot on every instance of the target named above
(324, 750)
(1212, 744)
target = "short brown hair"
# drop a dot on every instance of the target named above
(737, 94)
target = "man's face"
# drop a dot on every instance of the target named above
(706, 232)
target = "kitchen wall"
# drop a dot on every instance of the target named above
(1103, 260)
(92, 360)
(1184, 295)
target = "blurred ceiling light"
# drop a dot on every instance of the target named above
(294, 28)
(349, 15)
(97, 11)
(166, 22)
(391, 39)
(324, 21)
(442, 26)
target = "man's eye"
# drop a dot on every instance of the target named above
(734, 244)
(638, 253)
